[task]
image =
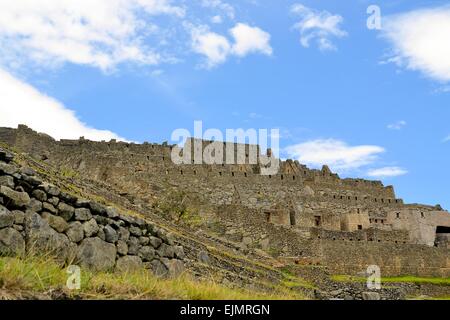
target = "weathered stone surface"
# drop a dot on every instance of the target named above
(18, 199)
(7, 181)
(135, 231)
(133, 246)
(68, 198)
(7, 168)
(143, 241)
(128, 264)
(19, 217)
(40, 195)
(110, 234)
(166, 251)
(11, 242)
(97, 208)
(96, 254)
(90, 228)
(175, 267)
(155, 242)
(83, 214)
(112, 212)
(147, 253)
(158, 268)
(203, 257)
(6, 217)
(49, 207)
(35, 205)
(122, 247)
(179, 252)
(57, 223)
(43, 238)
(65, 211)
(371, 296)
(124, 234)
(75, 232)
(53, 201)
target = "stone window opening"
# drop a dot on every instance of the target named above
(358, 210)
(422, 215)
(270, 176)
(282, 177)
(181, 172)
(293, 178)
(267, 216)
(245, 174)
(232, 174)
(195, 172)
(397, 215)
(148, 157)
(164, 158)
(292, 218)
(220, 173)
(360, 226)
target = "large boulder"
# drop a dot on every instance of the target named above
(11, 242)
(57, 223)
(75, 231)
(66, 211)
(43, 238)
(16, 198)
(6, 217)
(96, 254)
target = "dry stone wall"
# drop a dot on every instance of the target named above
(37, 217)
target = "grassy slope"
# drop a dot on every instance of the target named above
(41, 275)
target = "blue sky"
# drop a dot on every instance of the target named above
(370, 103)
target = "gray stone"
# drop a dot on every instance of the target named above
(53, 201)
(65, 211)
(68, 197)
(110, 234)
(101, 234)
(8, 168)
(158, 268)
(203, 257)
(166, 251)
(112, 212)
(82, 203)
(96, 254)
(83, 214)
(35, 205)
(135, 231)
(179, 252)
(155, 242)
(175, 267)
(19, 217)
(18, 199)
(133, 246)
(97, 208)
(44, 238)
(7, 181)
(49, 207)
(147, 253)
(371, 296)
(6, 217)
(27, 171)
(53, 191)
(11, 242)
(122, 247)
(124, 234)
(90, 228)
(39, 195)
(75, 233)
(144, 241)
(57, 223)
(129, 264)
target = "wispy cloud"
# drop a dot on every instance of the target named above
(447, 139)
(21, 103)
(420, 41)
(318, 26)
(399, 125)
(98, 33)
(387, 172)
(217, 48)
(337, 154)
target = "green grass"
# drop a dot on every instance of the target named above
(402, 279)
(41, 274)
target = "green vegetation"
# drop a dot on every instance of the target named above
(41, 274)
(402, 279)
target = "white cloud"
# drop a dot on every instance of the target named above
(335, 153)
(217, 48)
(399, 125)
(387, 172)
(447, 139)
(21, 103)
(420, 41)
(250, 40)
(99, 33)
(217, 19)
(319, 26)
(222, 6)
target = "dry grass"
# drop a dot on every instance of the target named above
(41, 275)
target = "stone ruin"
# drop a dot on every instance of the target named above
(299, 213)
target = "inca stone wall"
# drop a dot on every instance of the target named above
(298, 212)
(37, 217)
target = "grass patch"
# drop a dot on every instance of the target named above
(41, 274)
(402, 279)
